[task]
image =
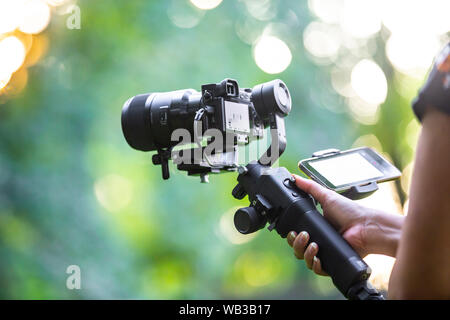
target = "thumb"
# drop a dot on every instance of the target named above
(319, 193)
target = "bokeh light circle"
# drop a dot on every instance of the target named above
(184, 15)
(206, 4)
(321, 40)
(12, 55)
(113, 192)
(263, 10)
(36, 16)
(18, 82)
(10, 15)
(4, 79)
(326, 10)
(361, 18)
(56, 3)
(271, 54)
(412, 54)
(369, 82)
(411, 16)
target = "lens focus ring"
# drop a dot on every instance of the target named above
(136, 125)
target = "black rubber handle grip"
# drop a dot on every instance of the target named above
(337, 257)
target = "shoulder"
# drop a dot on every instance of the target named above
(436, 91)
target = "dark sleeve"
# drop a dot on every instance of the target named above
(436, 91)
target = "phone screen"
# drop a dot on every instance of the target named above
(346, 169)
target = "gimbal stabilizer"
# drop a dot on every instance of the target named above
(149, 122)
(275, 199)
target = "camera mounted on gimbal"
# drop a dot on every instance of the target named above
(150, 121)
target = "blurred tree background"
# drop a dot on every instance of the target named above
(72, 192)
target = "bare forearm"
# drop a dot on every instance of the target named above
(423, 258)
(382, 232)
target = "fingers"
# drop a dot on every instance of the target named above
(300, 243)
(312, 262)
(291, 237)
(317, 267)
(304, 251)
(320, 193)
(310, 253)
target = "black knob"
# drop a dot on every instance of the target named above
(248, 220)
(156, 159)
(239, 192)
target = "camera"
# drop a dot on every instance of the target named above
(223, 114)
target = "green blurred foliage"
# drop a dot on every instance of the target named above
(73, 192)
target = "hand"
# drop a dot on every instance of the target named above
(348, 217)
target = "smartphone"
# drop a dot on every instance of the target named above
(355, 167)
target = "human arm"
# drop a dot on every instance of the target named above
(422, 268)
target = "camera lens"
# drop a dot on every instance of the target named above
(148, 120)
(271, 97)
(136, 122)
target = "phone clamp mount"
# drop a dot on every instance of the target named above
(276, 200)
(354, 192)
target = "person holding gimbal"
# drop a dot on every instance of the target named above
(420, 241)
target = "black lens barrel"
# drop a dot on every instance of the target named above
(148, 120)
(136, 122)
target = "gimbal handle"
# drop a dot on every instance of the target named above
(275, 199)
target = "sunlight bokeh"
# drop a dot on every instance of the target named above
(184, 15)
(20, 22)
(326, 10)
(229, 232)
(35, 16)
(113, 192)
(360, 18)
(321, 40)
(272, 54)
(412, 54)
(343, 34)
(10, 15)
(12, 55)
(369, 82)
(206, 4)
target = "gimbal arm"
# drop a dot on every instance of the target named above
(278, 142)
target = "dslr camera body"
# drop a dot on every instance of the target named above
(225, 114)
